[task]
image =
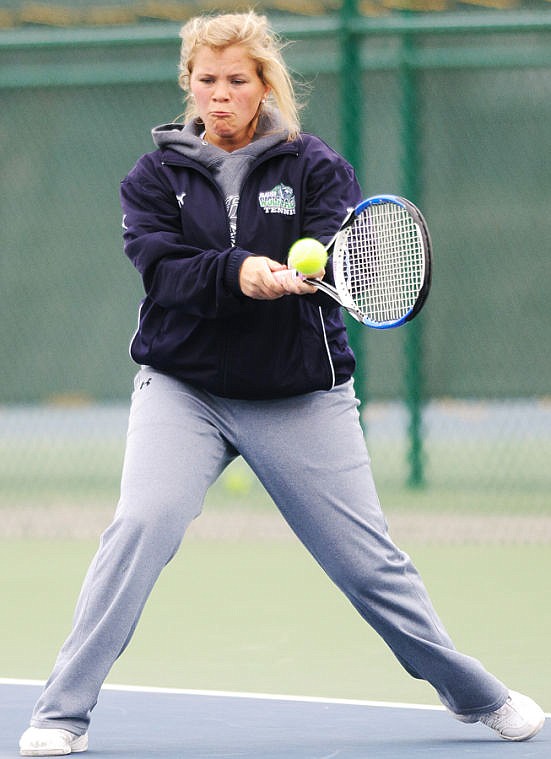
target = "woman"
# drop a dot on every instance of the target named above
(237, 361)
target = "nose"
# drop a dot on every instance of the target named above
(220, 91)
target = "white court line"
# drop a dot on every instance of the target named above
(235, 694)
(238, 694)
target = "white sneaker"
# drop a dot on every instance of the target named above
(41, 741)
(518, 719)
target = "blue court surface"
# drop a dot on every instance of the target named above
(139, 723)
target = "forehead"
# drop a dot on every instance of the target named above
(234, 58)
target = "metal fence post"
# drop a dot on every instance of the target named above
(412, 189)
(351, 99)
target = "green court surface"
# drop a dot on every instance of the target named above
(260, 616)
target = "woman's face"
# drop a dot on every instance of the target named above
(228, 93)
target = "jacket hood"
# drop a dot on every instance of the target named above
(186, 139)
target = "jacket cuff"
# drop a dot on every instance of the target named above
(233, 267)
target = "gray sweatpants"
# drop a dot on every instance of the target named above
(309, 453)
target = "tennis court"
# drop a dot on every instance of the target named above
(142, 723)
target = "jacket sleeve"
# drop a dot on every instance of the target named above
(175, 273)
(332, 189)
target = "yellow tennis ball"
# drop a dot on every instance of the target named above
(308, 256)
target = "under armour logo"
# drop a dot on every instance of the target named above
(145, 383)
(180, 199)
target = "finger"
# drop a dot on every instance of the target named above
(295, 283)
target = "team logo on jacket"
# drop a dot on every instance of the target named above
(279, 200)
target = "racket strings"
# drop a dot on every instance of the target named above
(384, 262)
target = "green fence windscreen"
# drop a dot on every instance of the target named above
(456, 111)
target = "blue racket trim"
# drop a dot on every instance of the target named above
(378, 200)
(387, 325)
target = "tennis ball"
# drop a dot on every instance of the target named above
(307, 256)
(238, 481)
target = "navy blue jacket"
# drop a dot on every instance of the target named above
(195, 323)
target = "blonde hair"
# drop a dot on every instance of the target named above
(262, 45)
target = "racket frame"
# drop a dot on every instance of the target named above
(340, 293)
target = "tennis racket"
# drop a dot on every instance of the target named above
(382, 260)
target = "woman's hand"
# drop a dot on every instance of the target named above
(261, 278)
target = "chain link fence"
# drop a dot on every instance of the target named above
(77, 108)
